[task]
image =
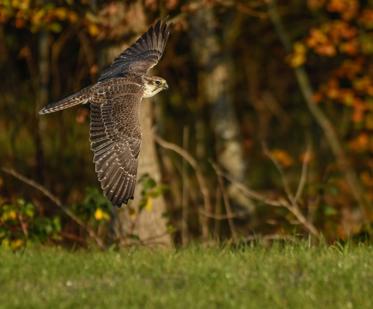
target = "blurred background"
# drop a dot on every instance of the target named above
(265, 131)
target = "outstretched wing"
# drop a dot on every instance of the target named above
(116, 137)
(142, 55)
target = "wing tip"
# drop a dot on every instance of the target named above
(124, 196)
(125, 201)
(165, 21)
(162, 26)
(155, 38)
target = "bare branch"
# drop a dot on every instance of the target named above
(245, 8)
(250, 193)
(317, 113)
(285, 183)
(291, 206)
(303, 177)
(56, 201)
(200, 178)
(227, 205)
(184, 194)
(225, 217)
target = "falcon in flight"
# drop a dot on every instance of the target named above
(114, 100)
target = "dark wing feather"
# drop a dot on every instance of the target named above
(142, 55)
(116, 138)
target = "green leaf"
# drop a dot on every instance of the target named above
(55, 27)
(329, 211)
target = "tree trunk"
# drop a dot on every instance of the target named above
(216, 75)
(148, 224)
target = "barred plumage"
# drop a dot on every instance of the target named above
(81, 97)
(114, 101)
(142, 55)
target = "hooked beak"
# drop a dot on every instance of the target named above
(165, 86)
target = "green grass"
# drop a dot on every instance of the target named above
(249, 277)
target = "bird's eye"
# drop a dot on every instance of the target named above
(157, 82)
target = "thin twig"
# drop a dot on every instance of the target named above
(293, 198)
(292, 204)
(227, 205)
(284, 181)
(217, 213)
(251, 193)
(184, 198)
(302, 181)
(56, 201)
(289, 205)
(218, 217)
(294, 209)
(244, 8)
(319, 116)
(200, 178)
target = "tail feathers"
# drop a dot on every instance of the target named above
(80, 97)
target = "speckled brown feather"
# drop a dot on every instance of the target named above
(81, 97)
(114, 100)
(142, 55)
(116, 137)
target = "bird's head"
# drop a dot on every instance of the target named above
(153, 85)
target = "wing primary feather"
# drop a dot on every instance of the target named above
(119, 187)
(103, 162)
(128, 188)
(138, 58)
(110, 177)
(122, 189)
(112, 186)
(114, 129)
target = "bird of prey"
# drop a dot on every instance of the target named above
(114, 100)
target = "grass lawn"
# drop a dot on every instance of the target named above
(292, 276)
